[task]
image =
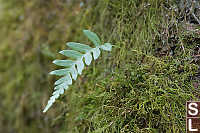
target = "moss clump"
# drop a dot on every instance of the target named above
(128, 91)
(146, 95)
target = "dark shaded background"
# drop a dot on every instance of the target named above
(141, 86)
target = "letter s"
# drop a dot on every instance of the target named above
(192, 106)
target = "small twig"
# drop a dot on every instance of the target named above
(192, 12)
(183, 47)
(197, 55)
(195, 18)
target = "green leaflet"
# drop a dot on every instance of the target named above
(106, 46)
(60, 72)
(49, 104)
(66, 63)
(88, 58)
(61, 86)
(92, 37)
(57, 92)
(80, 66)
(71, 53)
(76, 66)
(67, 78)
(96, 52)
(61, 80)
(79, 47)
(74, 72)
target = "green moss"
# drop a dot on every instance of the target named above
(136, 88)
(146, 95)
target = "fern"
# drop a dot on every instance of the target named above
(80, 54)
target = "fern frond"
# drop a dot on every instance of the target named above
(80, 55)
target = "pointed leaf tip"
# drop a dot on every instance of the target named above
(92, 37)
(47, 107)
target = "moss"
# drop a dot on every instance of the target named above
(146, 95)
(142, 86)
